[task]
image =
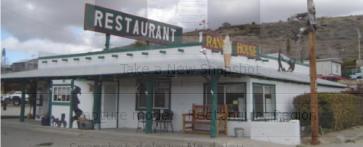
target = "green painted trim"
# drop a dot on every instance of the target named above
(145, 53)
(61, 103)
(65, 60)
(101, 57)
(88, 58)
(44, 61)
(129, 54)
(76, 59)
(115, 56)
(97, 93)
(54, 60)
(121, 49)
(162, 52)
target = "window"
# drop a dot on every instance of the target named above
(231, 94)
(263, 101)
(160, 98)
(61, 93)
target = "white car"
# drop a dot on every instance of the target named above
(13, 97)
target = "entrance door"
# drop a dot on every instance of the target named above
(258, 101)
(109, 105)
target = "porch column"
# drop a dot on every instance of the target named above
(71, 106)
(214, 105)
(22, 103)
(33, 95)
(149, 104)
(249, 100)
(50, 96)
(97, 104)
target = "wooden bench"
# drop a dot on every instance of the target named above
(201, 116)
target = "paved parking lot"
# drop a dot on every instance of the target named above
(30, 134)
(13, 110)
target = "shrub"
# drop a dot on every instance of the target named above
(336, 111)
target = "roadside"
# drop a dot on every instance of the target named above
(352, 137)
(30, 133)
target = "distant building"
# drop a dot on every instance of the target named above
(24, 65)
(329, 67)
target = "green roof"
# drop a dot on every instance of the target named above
(123, 49)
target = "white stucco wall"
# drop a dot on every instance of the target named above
(286, 91)
(277, 132)
(185, 93)
(86, 101)
(127, 115)
(109, 104)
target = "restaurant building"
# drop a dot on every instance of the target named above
(111, 87)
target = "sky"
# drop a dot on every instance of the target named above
(33, 28)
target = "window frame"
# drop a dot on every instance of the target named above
(138, 108)
(263, 118)
(60, 86)
(244, 84)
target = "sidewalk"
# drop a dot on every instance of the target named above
(131, 134)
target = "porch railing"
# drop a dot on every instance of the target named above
(264, 116)
(237, 116)
(279, 116)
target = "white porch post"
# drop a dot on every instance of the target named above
(249, 103)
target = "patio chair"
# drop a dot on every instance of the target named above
(157, 119)
(141, 120)
(167, 120)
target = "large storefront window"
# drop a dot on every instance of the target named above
(161, 95)
(264, 102)
(231, 94)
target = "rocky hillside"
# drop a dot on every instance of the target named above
(336, 36)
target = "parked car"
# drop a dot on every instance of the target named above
(13, 97)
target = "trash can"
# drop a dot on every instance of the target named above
(45, 121)
(239, 132)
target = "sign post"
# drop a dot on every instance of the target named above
(108, 21)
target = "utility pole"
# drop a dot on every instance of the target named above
(314, 108)
(310, 29)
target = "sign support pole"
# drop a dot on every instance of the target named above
(107, 43)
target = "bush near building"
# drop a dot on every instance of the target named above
(336, 110)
